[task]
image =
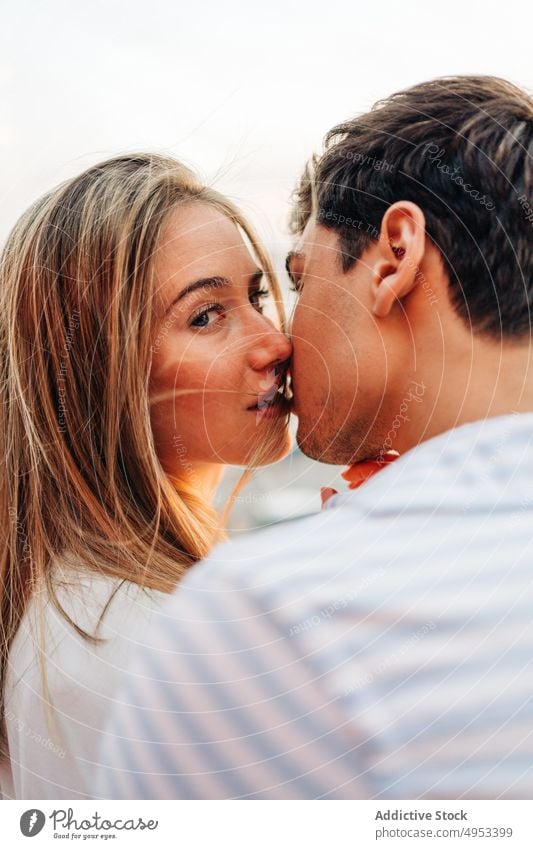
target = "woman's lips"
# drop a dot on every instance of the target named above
(266, 398)
(271, 402)
(275, 396)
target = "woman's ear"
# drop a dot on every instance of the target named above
(401, 248)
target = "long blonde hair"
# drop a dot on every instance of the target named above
(77, 305)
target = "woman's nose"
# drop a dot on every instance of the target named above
(269, 347)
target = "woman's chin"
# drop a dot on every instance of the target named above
(276, 452)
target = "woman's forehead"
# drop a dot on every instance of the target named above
(198, 233)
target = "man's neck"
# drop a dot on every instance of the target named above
(481, 381)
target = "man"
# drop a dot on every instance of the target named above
(384, 647)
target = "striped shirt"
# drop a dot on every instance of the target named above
(382, 648)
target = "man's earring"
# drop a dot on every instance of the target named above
(398, 252)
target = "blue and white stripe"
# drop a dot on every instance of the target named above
(380, 649)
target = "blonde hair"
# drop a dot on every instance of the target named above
(81, 476)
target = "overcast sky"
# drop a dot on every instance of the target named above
(243, 91)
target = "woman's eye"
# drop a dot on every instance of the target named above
(258, 298)
(207, 316)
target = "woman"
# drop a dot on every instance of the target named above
(135, 363)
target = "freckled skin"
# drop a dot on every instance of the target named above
(345, 380)
(206, 375)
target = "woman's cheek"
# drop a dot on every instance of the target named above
(201, 371)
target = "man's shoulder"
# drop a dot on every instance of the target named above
(289, 535)
(415, 520)
(294, 552)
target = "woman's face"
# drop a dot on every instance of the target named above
(217, 361)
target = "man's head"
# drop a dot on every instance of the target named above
(414, 268)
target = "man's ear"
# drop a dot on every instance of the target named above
(401, 248)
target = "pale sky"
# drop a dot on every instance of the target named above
(242, 91)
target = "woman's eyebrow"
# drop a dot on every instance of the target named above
(213, 283)
(203, 283)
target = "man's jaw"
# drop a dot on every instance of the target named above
(337, 449)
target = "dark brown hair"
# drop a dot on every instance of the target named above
(462, 149)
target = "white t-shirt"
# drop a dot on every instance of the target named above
(60, 686)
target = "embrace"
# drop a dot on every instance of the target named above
(381, 647)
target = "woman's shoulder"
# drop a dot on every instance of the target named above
(97, 603)
(75, 639)
(80, 614)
